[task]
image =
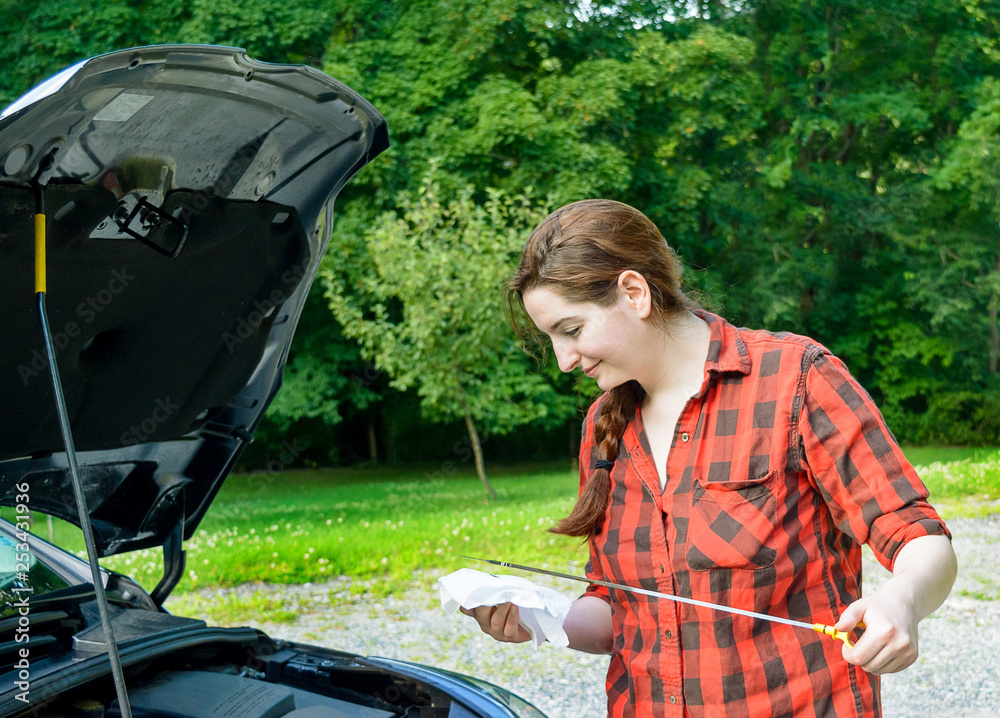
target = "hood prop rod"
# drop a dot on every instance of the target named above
(81, 505)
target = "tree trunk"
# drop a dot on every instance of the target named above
(477, 449)
(390, 438)
(994, 327)
(372, 440)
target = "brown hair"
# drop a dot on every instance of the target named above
(579, 251)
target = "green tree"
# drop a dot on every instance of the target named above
(859, 222)
(39, 39)
(427, 309)
(973, 164)
(269, 30)
(827, 168)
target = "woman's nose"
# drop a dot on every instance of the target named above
(566, 357)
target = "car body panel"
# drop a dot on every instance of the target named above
(189, 197)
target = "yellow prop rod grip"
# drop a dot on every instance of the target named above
(40, 253)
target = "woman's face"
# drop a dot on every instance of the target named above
(601, 341)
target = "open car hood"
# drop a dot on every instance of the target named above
(189, 197)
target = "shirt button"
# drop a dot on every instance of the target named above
(673, 699)
(685, 437)
(668, 635)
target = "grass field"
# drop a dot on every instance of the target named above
(962, 482)
(302, 526)
(384, 524)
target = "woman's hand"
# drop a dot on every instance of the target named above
(889, 643)
(501, 622)
(923, 573)
(588, 624)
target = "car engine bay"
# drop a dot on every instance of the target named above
(255, 680)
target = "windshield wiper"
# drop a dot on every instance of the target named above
(54, 616)
(69, 597)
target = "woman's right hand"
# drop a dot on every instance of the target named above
(501, 622)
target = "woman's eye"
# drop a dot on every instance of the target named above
(573, 332)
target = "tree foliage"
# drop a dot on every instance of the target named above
(826, 168)
(427, 309)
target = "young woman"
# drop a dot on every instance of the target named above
(740, 467)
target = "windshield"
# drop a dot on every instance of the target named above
(22, 575)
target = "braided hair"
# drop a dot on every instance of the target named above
(579, 251)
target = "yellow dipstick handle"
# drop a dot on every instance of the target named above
(844, 636)
(40, 253)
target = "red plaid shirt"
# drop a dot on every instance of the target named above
(779, 469)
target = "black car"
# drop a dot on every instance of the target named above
(181, 198)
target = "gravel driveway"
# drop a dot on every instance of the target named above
(957, 674)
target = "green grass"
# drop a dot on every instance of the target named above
(313, 525)
(925, 455)
(231, 609)
(379, 526)
(962, 482)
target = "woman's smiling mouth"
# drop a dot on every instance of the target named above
(590, 372)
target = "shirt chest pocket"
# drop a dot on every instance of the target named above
(731, 524)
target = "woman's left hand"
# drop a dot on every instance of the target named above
(922, 576)
(889, 641)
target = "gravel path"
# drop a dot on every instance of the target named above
(957, 674)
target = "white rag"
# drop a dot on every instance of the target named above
(543, 610)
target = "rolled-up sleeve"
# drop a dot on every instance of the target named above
(873, 492)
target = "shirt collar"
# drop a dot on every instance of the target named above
(726, 350)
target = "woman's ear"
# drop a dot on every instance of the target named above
(633, 288)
